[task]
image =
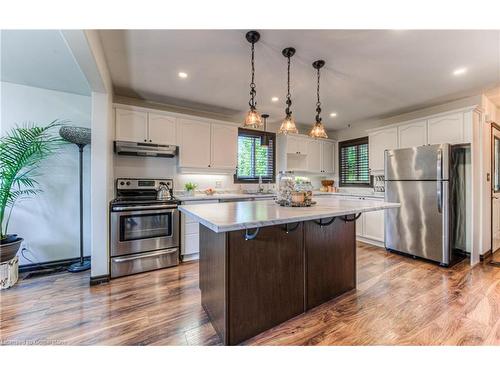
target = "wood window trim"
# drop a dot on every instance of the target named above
(353, 142)
(272, 137)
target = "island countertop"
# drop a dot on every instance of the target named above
(226, 217)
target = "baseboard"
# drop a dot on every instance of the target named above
(486, 255)
(96, 280)
(190, 257)
(370, 242)
(51, 264)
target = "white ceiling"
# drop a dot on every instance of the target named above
(40, 58)
(368, 73)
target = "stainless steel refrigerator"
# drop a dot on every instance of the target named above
(430, 182)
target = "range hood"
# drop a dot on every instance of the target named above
(145, 149)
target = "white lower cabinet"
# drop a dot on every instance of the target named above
(190, 232)
(370, 226)
(373, 225)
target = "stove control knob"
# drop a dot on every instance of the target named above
(122, 183)
(128, 183)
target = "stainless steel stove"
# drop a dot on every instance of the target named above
(144, 230)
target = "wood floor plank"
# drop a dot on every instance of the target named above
(398, 301)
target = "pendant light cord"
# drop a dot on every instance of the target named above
(288, 96)
(252, 102)
(318, 103)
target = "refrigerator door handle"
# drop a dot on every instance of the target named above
(439, 166)
(440, 196)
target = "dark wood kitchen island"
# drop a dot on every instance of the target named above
(262, 264)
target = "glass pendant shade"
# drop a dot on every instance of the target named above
(253, 120)
(288, 126)
(318, 131)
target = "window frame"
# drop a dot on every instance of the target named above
(354, 142)
(253, 132)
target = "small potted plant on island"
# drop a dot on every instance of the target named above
(21, 150)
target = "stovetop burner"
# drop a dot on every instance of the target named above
(141, 192)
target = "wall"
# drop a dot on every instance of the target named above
(49, 222)
(93, 62)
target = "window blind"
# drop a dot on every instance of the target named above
(353, 162)
(255, 160)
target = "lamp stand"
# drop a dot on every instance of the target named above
(82, 265)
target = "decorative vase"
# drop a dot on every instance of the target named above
(9, 247)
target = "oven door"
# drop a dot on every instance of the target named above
(143, 230)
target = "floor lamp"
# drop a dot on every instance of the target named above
(80, 137)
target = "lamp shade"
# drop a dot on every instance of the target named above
(75, 134)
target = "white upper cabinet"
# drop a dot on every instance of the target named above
(224, 144)
(379, 141)
(131, 125)
(297, 145)
(194, 143)
(327, 156)
(446, 129)
(141, 126)
(413, 134)
(162, 129)
(314, 156)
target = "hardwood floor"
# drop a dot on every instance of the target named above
(398, 301)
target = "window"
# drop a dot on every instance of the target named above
(353, 163)
(255, 160)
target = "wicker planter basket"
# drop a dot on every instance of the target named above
(9, 273)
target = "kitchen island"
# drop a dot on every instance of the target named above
(262, 264)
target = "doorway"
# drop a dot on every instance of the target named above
(495, 195)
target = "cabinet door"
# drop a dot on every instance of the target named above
(446, 129)
(131, 125)
(292, 145)
(327, 156)
(194, 143)
(313, 156)
(373, 225)
(413, 135)
(224, 146)
(380, 141)
(162, 129)
(360, 226)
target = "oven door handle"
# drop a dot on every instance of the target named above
(135, 208)
(142, 256)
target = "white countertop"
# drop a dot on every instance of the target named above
(216, 196)
(225, 217)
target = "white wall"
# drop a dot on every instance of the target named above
(49, 222)
(91, 59)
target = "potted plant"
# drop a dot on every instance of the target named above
(190, 187)
(21, 150)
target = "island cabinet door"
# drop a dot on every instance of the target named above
(330, 259)
(266, 280)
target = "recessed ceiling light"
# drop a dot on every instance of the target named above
(275, 99)
(182, 75)
(333, 114)
(459, 71)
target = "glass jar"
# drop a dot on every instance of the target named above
(303, 185)
(286, 186)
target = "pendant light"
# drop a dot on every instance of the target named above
(264, 140)
(288, 125)
(252, 118)
(318, 130)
